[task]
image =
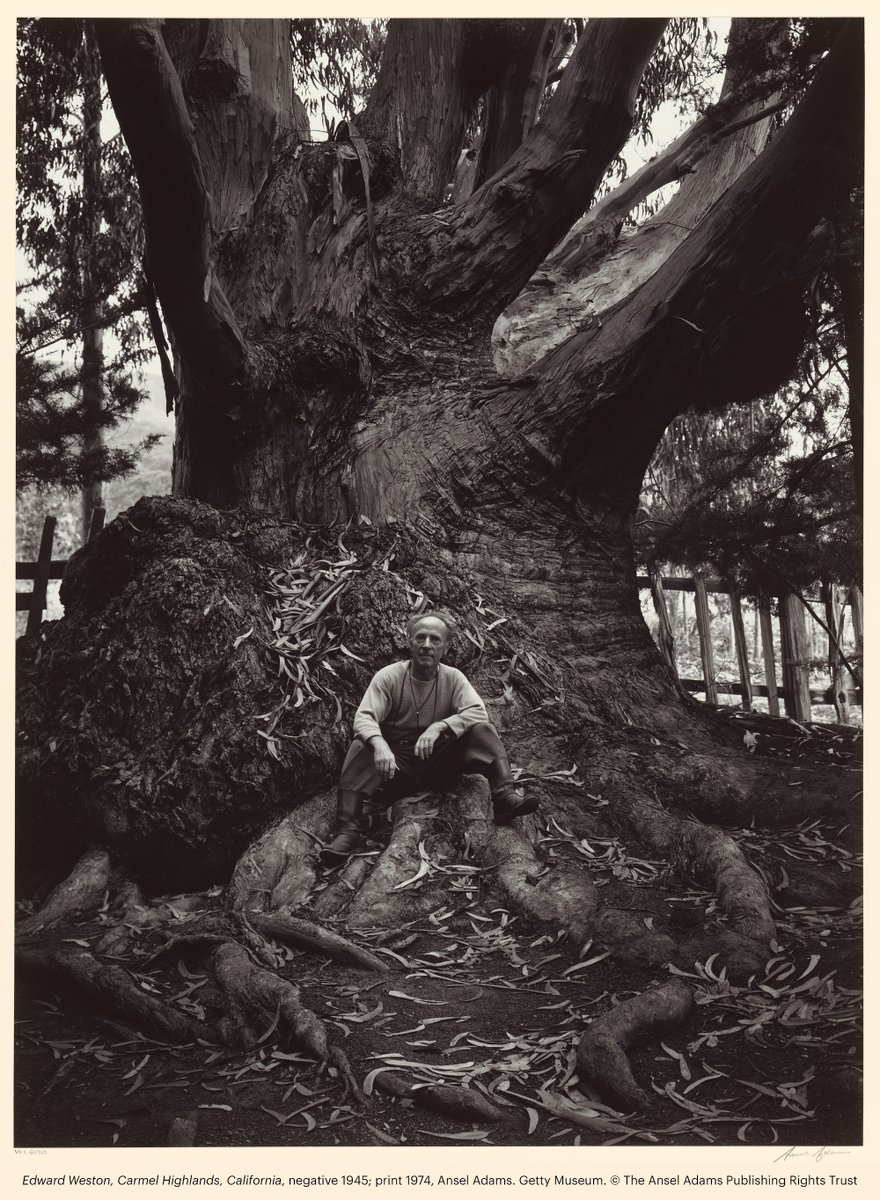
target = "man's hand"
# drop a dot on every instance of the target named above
(383, 758)
(425, 745)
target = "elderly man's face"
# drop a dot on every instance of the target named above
(428, 642)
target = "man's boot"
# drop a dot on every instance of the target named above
(506, 804)
(348, 836)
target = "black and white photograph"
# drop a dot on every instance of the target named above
(439, 602)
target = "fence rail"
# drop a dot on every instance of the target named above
(47, 568)
(795, 690)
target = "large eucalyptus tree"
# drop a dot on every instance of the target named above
(348, 420)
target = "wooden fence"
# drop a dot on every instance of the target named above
(45, 568)
(795, 689)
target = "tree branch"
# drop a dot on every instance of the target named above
(151, 109)
(487, 247)
(511, 104)
(595, 268)
(677, 160)
(605, 395)
(425, 90)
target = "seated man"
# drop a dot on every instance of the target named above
(419, 726)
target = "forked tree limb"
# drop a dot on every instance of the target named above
(735, 281)
(489, 246)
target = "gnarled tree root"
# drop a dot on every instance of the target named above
(338, 894)
(107, 985)
(465, 1104)
(217, 929)
(564, 896)
(282, 926)
(601, 1052)
(706, 854)
(261, 1001)
(380, 901)
(280, 868)
(81, 891)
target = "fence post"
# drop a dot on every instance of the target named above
(855, 604)
(667, 637)
(707, 657)
(742, 651)
(838, 680)
(41, 576)
(96, 522)
(795, 657)
(769, 655)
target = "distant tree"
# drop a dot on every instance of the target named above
(78, 223)
(54, 405)
(765, 495)
(335, 64)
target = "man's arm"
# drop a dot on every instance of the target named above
(374, 708)
(469, 708)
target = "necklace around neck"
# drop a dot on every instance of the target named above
(432, 692)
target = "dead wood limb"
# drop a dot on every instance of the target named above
(259, 998)
(601, 1052)
(465, 1104)
(81, 891)
(108, 985)
(284, 927)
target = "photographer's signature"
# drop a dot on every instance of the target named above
(814, 1153)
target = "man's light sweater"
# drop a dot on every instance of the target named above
(388, 702)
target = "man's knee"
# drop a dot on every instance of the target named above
(359, 772)
(484, 735)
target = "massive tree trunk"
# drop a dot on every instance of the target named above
(332, 326)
